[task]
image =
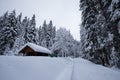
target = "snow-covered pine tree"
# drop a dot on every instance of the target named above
(9, 32)
(100, 22)
(114, 58)
(39, 35)
(3, 24)
(19, 39)
(53, 33)
(19, 23)
(83, 40)
(114, 26)
(88, 30)
(108, 31)
(25, 23)
(50, 34)
(44, 34)
(31, 35)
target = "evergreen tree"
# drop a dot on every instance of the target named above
(114, 27)
(8, 32)
(19, 39)
(50, 34)
(88, 30)
(25, 30)
(19, 23)
(44, 35)
(31, 35)
(3, 24)
(100, 25)
(40, 35)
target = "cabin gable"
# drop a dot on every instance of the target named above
(35, 50)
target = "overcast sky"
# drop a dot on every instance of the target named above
(63, 13)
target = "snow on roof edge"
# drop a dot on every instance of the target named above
(36, 48)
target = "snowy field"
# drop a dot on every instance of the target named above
(46, 68)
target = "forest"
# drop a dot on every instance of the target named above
(99, 33)
(15, 32)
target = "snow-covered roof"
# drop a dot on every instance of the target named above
(36, 48)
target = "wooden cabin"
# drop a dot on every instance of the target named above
(31, 49)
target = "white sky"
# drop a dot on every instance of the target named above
(63, 13)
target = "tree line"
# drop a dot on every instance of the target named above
(100, 31)
(15, 32)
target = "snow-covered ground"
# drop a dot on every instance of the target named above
(46, 68)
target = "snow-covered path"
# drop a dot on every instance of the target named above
(80, 69)
(86, 70)
(66, 74)
(46, 68)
